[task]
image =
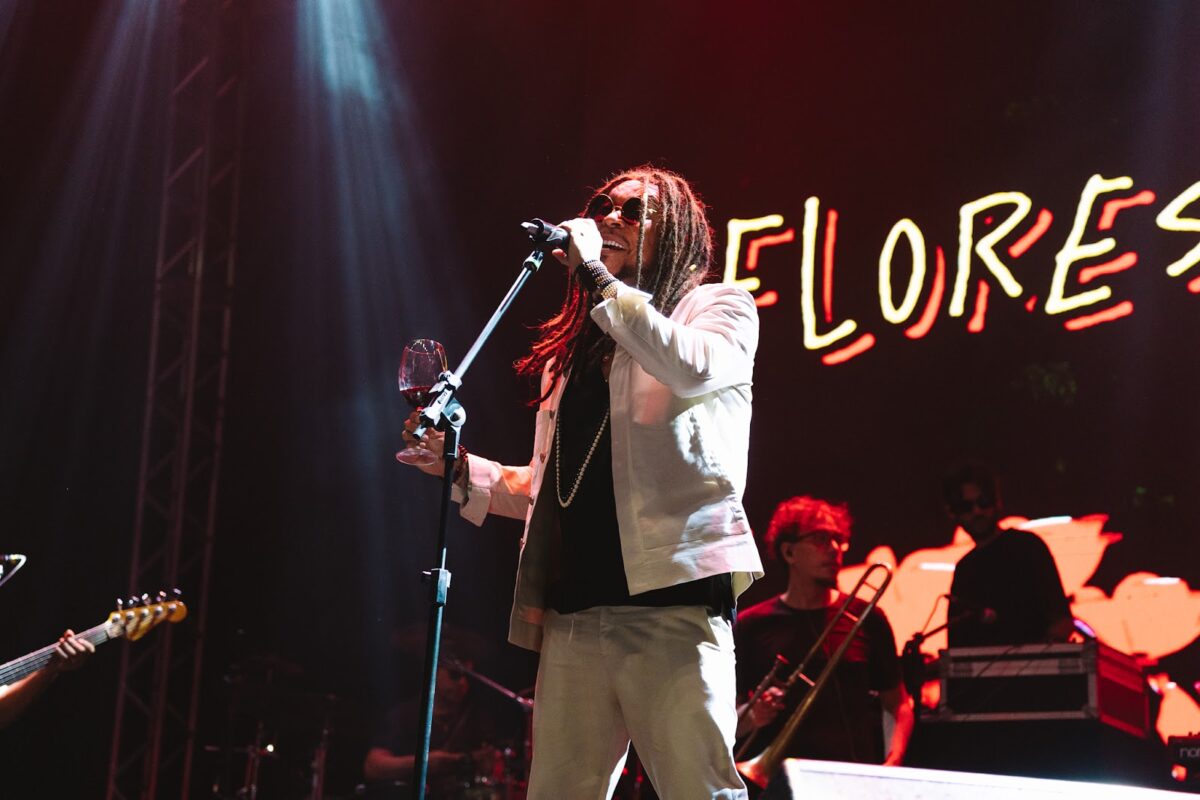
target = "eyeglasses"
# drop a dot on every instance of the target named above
(602, 205)
(963, 506)
(839, 541)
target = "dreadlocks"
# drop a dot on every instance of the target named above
(679, 264)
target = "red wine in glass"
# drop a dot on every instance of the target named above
(422, 362)
(417, 396)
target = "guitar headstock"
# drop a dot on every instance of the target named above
(135, 617)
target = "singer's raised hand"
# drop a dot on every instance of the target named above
(585, 244)
(432, 440)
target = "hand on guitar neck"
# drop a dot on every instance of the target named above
(69, 653)
(24, 678)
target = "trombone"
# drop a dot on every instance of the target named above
(760, 769)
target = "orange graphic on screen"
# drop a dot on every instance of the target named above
(1147, 615)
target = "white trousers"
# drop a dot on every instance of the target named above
(663, 677)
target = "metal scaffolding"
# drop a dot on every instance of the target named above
(153, 742)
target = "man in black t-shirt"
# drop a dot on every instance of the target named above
(461, 740)
(1006, 591)
(844, 724)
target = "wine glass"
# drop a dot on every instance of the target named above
(421, 363)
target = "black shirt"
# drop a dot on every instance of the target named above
(587, 567)
(1014, 577)
(478, 722)
(467, 729)
(845, 722)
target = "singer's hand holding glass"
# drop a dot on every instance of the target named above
(432, 442)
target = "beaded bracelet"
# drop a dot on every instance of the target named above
(460, 464)
(601, 280)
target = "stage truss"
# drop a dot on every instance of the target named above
(153, 742)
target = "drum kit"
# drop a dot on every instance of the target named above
(278, 741)
(489, 774)
(277, 738)
(501, 773)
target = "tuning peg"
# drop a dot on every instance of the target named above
(178, 593)
(162, 596)
(120, 604)
(132, 601)
(145, 598)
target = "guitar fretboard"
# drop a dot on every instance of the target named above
(18, 668)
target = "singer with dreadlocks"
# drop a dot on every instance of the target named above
(636, 543)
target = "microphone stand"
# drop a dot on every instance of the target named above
(910, 657)
(524, 702)
(446, 414)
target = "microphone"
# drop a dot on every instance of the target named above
(546, 236)
(912, 663)
(985, 616)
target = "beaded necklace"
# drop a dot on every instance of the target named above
(605, 361)
(583, 467)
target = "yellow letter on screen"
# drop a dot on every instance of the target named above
(808, 310)
(905, 227)
(1169, 220)
(985, 249)
(738, 228)
(1074, 250)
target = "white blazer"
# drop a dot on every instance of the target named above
(679, 395)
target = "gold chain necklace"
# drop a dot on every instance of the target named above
(583, 468)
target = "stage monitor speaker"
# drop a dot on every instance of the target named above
(833, 780)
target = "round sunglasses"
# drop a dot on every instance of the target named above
(961, 507)
(602, 205)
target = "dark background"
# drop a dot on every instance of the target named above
(377, 212)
